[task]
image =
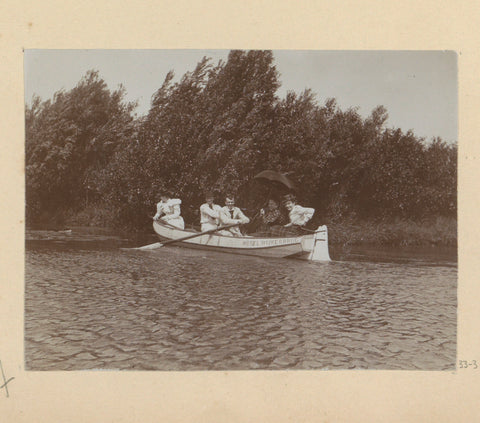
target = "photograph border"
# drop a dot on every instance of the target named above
(264, 396)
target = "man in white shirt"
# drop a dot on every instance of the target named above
(231, 215)
(209, 213)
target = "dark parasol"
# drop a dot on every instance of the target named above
(274, 176)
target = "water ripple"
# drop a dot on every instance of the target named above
(178, 309)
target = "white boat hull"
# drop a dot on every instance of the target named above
(296, 246)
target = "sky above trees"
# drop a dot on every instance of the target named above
(418, 88)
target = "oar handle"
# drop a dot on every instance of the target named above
(164, 222)
(307, 230)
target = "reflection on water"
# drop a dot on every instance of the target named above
(90, 305)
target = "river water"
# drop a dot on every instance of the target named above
(91, 305)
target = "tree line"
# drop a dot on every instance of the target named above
(215, 129)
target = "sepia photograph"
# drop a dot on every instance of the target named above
(205, 210)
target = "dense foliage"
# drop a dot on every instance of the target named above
(216, 128)
(68, 141)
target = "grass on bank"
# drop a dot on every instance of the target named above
(435, 231)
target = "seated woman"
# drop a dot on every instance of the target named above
(298, 215)
(270, 219)
(170, 209)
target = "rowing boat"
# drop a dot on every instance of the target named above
(313, 246)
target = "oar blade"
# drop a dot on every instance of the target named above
(153, 246)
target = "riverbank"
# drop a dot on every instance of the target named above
(437, 231)
(434, 232)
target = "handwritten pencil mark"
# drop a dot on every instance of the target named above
(5, 381)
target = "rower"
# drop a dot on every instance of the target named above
(230, 215)
(170, 209)
(209, 213)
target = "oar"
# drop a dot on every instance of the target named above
(167, 224)
(156, 245)
(211, 231)
(307, 230)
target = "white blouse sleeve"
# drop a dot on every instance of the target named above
(176, 212)
(159, 211)
(174, 205)
(307, 213)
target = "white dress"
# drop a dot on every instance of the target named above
(171, 212)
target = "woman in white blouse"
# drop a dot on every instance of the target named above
(298, 215)
(168, 210)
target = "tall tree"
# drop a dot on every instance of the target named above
(68, 139)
